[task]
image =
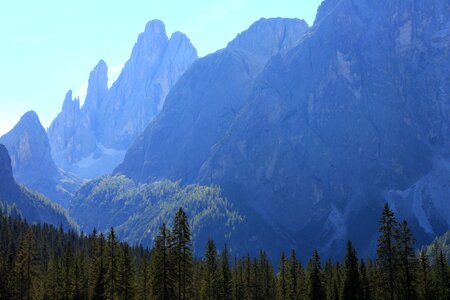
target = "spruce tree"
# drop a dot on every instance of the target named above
(331, 281)
(27, 266)
(441, 277)
(424, 280)
(292, 286)
(112, 266)
(351, 288)
(162, 274)
(315, 285)
(181, 254)
(267, 277)
(212, 281)
(144, 284)
(407, 262)
(225, 280)
(98, 269)
(126, 275)
(387, 252)
(366, 292)
(282, 278)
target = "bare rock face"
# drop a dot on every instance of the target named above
(32, 161)
(355, 116)
(32, 206)
(203, 104)
(316, 140)
(91, 140)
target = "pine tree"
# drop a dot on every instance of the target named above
(27, 266)
(267, 277)
(225, 280)
(282, 278)
(407, 262)
(238, 280)
(212, 281)
(387, 252)
(292, 285)
(181, 254)
(315, 285)
(112, 266)
(424, 277)
(366, 293)
(351, 289)
(441, 277)
(331, 281)
(98, 267)
(68, 276)
(144, 284)
(53, 288)
(162, 280)
(126, 275)
(248, 289)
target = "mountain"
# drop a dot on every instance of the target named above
(91, 140)
(136, 211)
(32, 162)
(203, 104)
(315, 142)
(34, 207)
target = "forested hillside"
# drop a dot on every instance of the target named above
(43, 262)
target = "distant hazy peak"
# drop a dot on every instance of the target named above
(99, 73)
(97, 87)
(155, 27)
(70, 104)
(267, 37)
(30, 117)
(179, 37)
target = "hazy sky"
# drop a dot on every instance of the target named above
(50, 46)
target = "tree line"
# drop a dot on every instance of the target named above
(44, 262)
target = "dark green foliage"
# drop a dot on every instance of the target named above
(282, 278)
(181, 255)
(225, 278)
(212, 274)
(315, 281)
(407, 262)
(441, 277)
(351, 287)
(387, 252)
(42, 262)
(137, 211)
(423, 276)
(163, 282)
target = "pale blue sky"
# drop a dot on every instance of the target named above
(50, 46)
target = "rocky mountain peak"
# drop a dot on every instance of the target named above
(268, 37)
(154, 27)
(97, 87)
(90, 142)
(70, 104)
(29, 148)
(30, 118)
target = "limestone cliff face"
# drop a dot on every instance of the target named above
(91, 140)
(32, 206)
(353, 117)
(32, 161)
(315, 141)
(203, 104)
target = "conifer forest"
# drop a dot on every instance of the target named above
(44, 262)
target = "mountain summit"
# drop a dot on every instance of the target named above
(32, 162)
(316, 141)
(91, 140)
